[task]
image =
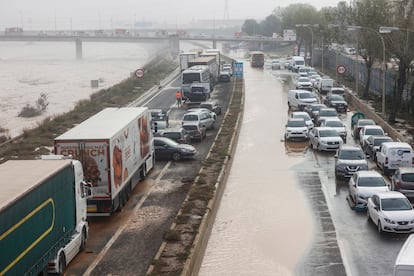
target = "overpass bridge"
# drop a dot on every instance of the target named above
(173, 40)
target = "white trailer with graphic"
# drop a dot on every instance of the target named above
(116, 149)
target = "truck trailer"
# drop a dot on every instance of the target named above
(116, 149)
(185, 58)
(42, 215)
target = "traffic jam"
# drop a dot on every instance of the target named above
(377, 170)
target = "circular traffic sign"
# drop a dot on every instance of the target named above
(139, 73)
(341, 69)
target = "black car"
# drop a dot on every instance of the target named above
(159, 115)
(211, 105)
(165, 148)
(178, 134)
(337, 102)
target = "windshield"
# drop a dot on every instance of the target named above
(300, 62)
(395, 204)
(191, 77)
(365, 122)
(190, 117)
(328, 133)
(296, 123)
(303, 79)
(337, 98)
(351, 155)
(304, 116)
(333, 124)
(371, 181)
(306, 96)
(374, 132)
(378, 142)
(190, 127)
(408, 177)
(337, 91)
(328, 113)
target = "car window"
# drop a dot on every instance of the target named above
(407, 177)
(374, 132)
(371, 181)
(351, 155)
(333, 124)
(296, 123)
(190, 127)
(172, 135)
(328, 133)
(306, 96)
(395, 204)
(190, 117)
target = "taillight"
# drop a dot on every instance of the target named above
(386, 161)
(397, 183)
(412, 162)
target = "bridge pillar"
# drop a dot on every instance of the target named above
(174, 45)
(214, 44)
(261, 46)
(78, 43)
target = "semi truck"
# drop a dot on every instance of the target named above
(42, 215)
(257, 59)
(116, 149)
(185, 58)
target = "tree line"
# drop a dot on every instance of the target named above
(357, 23)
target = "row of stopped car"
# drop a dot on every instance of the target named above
(388, 206)
(173, 142)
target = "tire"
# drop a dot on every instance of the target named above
(62, 264)
(176, 156)
(83, 240)
(379, 227)
(385, 171)
(317, 147)
(368, 216)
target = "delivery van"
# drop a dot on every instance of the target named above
(404, 264)
(392, 155)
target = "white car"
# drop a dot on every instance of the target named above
(367, 131)
(391, 212)
(335, 123)
(363, 184)
(304, 83)
(303, 115)
(205, 119)
(324, 138)
(296, 129)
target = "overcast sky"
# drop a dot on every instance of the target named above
(35, 14)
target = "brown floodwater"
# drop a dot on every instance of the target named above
(264, 225)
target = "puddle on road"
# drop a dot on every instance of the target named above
(263, 226)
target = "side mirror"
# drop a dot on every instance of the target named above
(336, 156)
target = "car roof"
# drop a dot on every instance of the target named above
(381, 137)
(301, 91)
(396, 144)
(300, 113)
(372, 127)
(390, 194)
(187, 123)
(364, 173)
(349, 147)
(323, 128)
(406, 169)
(365, 120)
(296, 119)
(327, 108)
(327, 119)
(172, 129)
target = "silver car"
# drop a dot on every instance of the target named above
(348, 160)
(403, 181)
(324, 139)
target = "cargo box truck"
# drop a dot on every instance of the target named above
(185, 58)
(115, 147)
(42, 215)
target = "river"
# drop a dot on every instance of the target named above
(28, 69)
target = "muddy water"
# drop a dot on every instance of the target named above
(263, 226)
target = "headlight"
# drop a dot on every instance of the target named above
(389, 221)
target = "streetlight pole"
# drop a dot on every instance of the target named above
(350, 28)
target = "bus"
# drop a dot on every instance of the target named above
(200, 76)
(257, 59)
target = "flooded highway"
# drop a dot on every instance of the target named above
(264, 225)
(283, 212)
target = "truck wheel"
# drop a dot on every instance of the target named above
(176, 156)
(61, 264)
(83, 240)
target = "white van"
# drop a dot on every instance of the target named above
(392, 155)
(325, 85)
(297, 62)
(404, 264)
(300, 98)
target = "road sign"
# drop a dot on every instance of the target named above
(289, 35)
(341, 69)
(139, 73)
(238, 69)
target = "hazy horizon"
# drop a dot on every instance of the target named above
(77, 14)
